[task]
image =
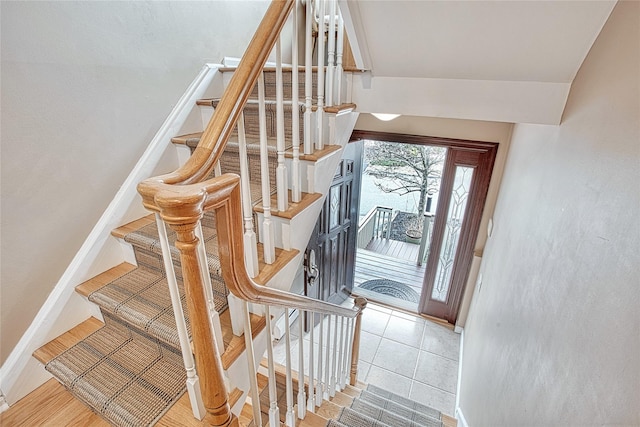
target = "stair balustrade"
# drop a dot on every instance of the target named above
(181, 198)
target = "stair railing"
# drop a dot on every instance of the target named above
(171, 197)
(182, 208)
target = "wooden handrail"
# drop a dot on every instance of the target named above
(215, 136)
(187, 204)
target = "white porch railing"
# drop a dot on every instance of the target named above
(376, 224)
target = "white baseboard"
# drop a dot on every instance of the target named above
(461, 419)
(459, 414)
(3, 404)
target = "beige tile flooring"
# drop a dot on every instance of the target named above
(403, 353)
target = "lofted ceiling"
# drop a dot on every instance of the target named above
(532, 48)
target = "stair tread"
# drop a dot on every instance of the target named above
(375, 395)
(132, 226)
(67, 340)
(139, 369)
(294, 208)
(191, 140)
(233, 344)
(104, 278)
(267, 271)
(313, 420)
(391, 415)
(251, 103)
(316, 155)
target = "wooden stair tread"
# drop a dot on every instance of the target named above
(294, 209)
(337, 109)
(132, 226)
(246, 414)
(352, 391)
(104, 278)
(448, 421)
(312, 419)
(67, 340)
(235, 345)
(316, 155)
(328, 409)
(285, 69)
(183, 139)
(267, 271)
(208, 102)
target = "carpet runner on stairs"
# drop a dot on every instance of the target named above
(376, 407)
(131, 371)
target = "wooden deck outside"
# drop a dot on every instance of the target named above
(395, 249)
(381, 260)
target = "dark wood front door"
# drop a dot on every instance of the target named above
(334, 238)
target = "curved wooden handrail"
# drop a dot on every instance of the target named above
(215, 136)
(186, 204)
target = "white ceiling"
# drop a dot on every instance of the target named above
(541, 41)
(508, 61)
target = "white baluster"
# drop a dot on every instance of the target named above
(311, 402)
(320, 110)
(193, 382)
(331, 51)
(302, 406)
(327, 374)
(349, 351)
(320, 342)
(340, 356)
(339, 69)
(332, 380)
(208, 289)
(250, 243)
(274, 411)
(251, 366)
(268, 238)
(290, 416)
(296, 178)
(345, 364)
(282, 190)
(308, 81)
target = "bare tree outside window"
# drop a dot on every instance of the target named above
(406, 168)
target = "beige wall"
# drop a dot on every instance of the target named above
(460, 129)
(553, 335)
(85, 86)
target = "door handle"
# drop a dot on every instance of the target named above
(311, 267)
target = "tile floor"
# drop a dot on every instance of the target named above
(406, 354)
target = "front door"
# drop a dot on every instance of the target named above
(334, 238)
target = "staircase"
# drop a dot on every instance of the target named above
(180, 316)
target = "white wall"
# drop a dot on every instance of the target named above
(85, 86)
(553, 335)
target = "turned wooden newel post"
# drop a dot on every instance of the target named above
(361, 303)
(208, 363)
